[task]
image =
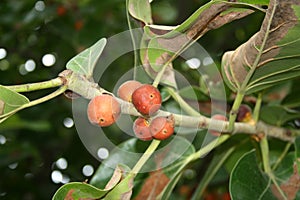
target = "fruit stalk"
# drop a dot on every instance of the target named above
(146, 155)
(37, 86)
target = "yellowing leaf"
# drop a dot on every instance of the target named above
(270, 56)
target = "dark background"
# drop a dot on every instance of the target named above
(36, 137)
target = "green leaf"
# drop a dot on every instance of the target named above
(247, 182)
(84, 63)
(140, 10)
(83, 190)
(292, 100)
(278, 115)
(285, 168)
(77, 191)
(269, 57)
(10, 102)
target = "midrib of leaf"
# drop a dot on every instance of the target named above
(80, 66)
(260, 52)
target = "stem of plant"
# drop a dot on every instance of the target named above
(135, 54)
(180, 50)
(257, 107)
(37, 86)
(161, 72)
(234, 110)
(241, 93)
(185, 106)
(210, 146)
(264, 148)
(146, 155)
(34, 102)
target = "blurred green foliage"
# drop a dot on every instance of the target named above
(36, 137)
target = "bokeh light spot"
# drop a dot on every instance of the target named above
(68, 122)
(88, 170)
(48, 60)
(3, 53)
(13, 165)
(103, 153)
(2, 139)
(56, 176)
(62, 163)
(193, 63)
(30, 65)
(39, 6)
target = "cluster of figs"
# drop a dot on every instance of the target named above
(105, 109)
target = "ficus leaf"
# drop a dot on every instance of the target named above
(140, 10)
(10, 101)
(278, 115)
(84, 63)
(271, 55)
(292, 99)
(77, 191)
(162, 44)
(247, 182)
